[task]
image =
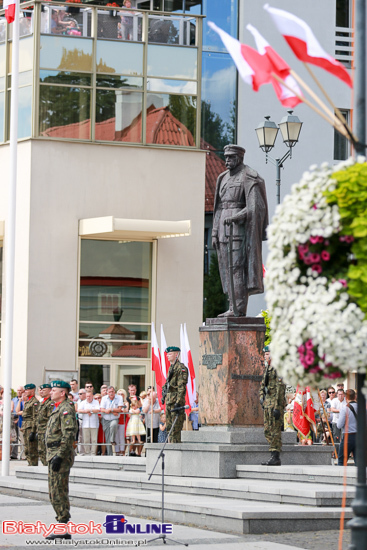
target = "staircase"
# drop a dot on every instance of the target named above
(262, 499)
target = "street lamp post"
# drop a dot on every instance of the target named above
(267, 131)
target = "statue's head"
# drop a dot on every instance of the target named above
(233, 155)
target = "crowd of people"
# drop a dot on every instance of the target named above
(110, 422)
(336, 416)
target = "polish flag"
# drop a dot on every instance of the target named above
(300, 421)
(305, 45)
(9, 6)
(157, 365)
(280, 68)
(164, 358)
(310, 410)
(256, 68)
(186, 359)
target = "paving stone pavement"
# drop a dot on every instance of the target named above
(30, 510)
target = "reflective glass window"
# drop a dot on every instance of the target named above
(223, 14)
(64, 112)
(2, 111)
(66, 53)
(172, 62)
(65, 77)
(193, 6)
(175, 86)
(117, 81)
(2, 59)
(171, 30)
(115, 281)
(102, 347)
(218, 110)
(66, 21)
(119, 57)
(118, 116)
(121, 24)
(2, 83)
(25, 54)
(171, 119)
(24, 112)
(25, 23)
(114, 330)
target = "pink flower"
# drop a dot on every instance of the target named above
(303, 248)
(310, 358)
(314, 206)
(327, 243)
(314, 240)
(309, 344)
(315, 369)
(325, 255)
(307, 259)
(315, 258)
(301, 349)
(349, 239)
(341, 239)
(317, 268)
(301, 255)
(343, 282)
(320, 239)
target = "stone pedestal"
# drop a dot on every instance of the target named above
(231, 365)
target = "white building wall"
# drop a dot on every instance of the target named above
(71, 181)
(316, 142)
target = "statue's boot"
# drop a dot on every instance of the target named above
(228, 313)
(274, 460)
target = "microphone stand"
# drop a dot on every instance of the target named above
(161, 456)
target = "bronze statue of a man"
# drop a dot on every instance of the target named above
(239, 227)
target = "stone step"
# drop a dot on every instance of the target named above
(307, 474)
(277, 491)
(125, 463)
(222, 514)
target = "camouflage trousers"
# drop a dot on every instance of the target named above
(42, 448)
(175, 436)
(30, 448)
(273, 430)
(58, 490)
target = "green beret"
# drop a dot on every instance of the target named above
(60, 384)
(45, 386)
(29, 387)
(266, 348)
(172, 348)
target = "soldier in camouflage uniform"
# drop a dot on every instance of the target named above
(29, 425)
(174, 392)
(59, 438)
(44, 412)
(272, 399)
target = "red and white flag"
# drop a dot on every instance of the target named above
(186, 359)
(310, 409)
(281, 68)
(9, 6)
(164, 358)
(157, 365)
(304, 43)
(299, 419)
(256, 68)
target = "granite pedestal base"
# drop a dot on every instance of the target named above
(215, 453)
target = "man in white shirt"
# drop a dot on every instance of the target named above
(111, 407)
(337, 404)
(147, 408)
(82, 395)
(88, 410)
(74, 389)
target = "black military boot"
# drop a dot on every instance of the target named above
(65, 536)
(274, 459)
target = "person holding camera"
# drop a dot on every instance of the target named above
(272, 400)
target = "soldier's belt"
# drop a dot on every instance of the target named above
(229, 204)
(53, 444)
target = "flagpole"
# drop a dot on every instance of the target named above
(337, 111)
(330, 121)
(10, 247)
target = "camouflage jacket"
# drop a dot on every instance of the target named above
(60, 431)
(44, 413)
(272, 390)
(30, 414)
(176, 384)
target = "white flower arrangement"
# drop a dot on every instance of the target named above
(318, 331)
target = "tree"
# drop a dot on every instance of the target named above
(215, 301)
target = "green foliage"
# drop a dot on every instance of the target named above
(215, 301)
(267, 319)
(351, 197)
